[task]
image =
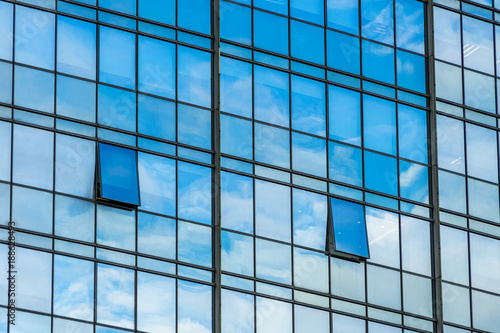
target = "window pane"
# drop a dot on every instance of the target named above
(417, 295)
(311, 11)
(343, 52)
(278, 6)
(195, 192)
(194, 126)
(117, 108)
(309, 154)
(156, 235)
(479, 91)
(270, 31)
(384, 287)
(272, 210)
(155, 303)
(484, 315)
(411, 71)
(33, 159)
(412, 133)
(308, 106)
(383, 232)
(112, 310)
(309, 216)
(195, 244)
(448, 82)
(451, 153)
(156, 67)
(271, 96)
(347, 279)
(112, 234)
(194, 75)
(478, 44)
(272, 145)
(5, 150)
(307, 41)
(76, 47)
(235, 23)
(377, 20)
(379, 120)
(157, 178)
(194, 307)
(410, 25)
(415, 245)
(236, 137)
(118, 174)
(381, 173)
(345, 164)
(343, 15)
(281, 319)
(117, 57)
(73, 288)
(273, 261)
(76, 98)
(35, 37)
(124, 6)
(75, 166)
(343, 324)
(452, 192)
(194, 15)
(349, 227)
(5, 82)
(158, 10)
(6, 30)
(456, 304)
(36, 216)
(378, 62)
(74, 218)
(237, 312)
(237, 253)
(34, 89)
(34, 280)
(311, 320)
(310, 270)
(156, 117)
(237, 202)
(484, 263)
(414, 181)
(236, 87)
(483, 200)
(345, 115)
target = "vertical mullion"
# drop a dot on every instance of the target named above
(216, 184)
(435, 235)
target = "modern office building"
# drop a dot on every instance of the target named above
(249, 166)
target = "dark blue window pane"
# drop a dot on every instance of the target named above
(343, 52)
(158, 10)
(194, 15)
(235, 23)
(381, 173)
(379, 118)
(349, 227)
(118, 173)
(343, 15)
(278, 6)
(308, 42)
(270, 32)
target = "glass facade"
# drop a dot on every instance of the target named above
(249, 166)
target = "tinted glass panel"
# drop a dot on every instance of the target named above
(118, 174)
(349, 227)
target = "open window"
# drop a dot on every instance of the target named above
(346, 230)
(117, 177)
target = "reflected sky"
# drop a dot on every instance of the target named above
(236, 202)
(271, 89)
(236, 86)
(121, 236)
(194, 77)
(237, 312)
(309, 154)
(6, 30)
(194, 308)
(308, 106)
(272, 210)
(115, 296)
(273, 261)
(5, 147)
(384, 287)
(194, 192)
(74, 218)
(272, 145)
(237, 253)
(117, 57)
(34, 286)
(73, 288)
(343, 15)
(309, 219)
(156, 235)
(383, 236)
(194, 244)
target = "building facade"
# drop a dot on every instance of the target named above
(249, 166)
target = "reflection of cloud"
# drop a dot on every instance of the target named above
(273, 316)
(115, 296)
(310, 270)
(236, 202)
(272, 210)
(273, 261)
(309, 219)
(195, 192)
(237, 312)
(383, 236)
(194, 244)
(237, 253)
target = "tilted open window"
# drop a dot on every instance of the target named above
(117, 177)
(346, 230)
